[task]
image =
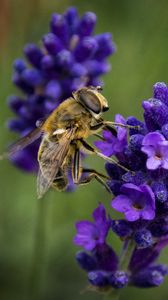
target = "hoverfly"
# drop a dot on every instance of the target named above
(64, 134)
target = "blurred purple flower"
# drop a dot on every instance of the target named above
(71, 56)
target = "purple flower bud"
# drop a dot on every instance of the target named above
(122, 228)
(64, 59)
(98, 278)
(53, 90)
(113, 170)
(19, 65)
(52, 43)
(135, 122)
(136, 178)
(34, 54)
(150, 277)
(24, 160)
(16, 125)
(78, 70)
(135, 161)
(59, 27)
(85, 49)
(115, 186)
(136, 142)
(118, 280)
(143, 238)
(86, 24)
(160, 191)
(24, 86)
(86, 261)
(32, 77)
(47, 62)
(159, 227)
(15, 103)
(160, 91)
(157, 111)
(105, 46)
(106, 257)
(164, 131)
(96, 68)
(71, 16)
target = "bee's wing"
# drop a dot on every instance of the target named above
(23, 142)
(51, 159)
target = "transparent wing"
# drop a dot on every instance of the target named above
(23, 142)
(51, 159)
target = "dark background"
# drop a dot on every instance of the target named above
(140, 30)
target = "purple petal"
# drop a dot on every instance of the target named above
(120, 119)
(149, 150)
(153, 163)
(148, 213)
(99, 214)
(149, 195)
(132, 215)
(121, 203)
(107, 135)
(152, 138)
(132, 191)
(105, 148)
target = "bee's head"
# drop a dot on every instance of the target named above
(91, 98)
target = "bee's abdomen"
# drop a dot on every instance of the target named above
(60, 182)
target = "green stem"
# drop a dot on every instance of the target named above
(112, 295)
(38, 259)
(126, 254)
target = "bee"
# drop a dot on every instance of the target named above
(64, 135)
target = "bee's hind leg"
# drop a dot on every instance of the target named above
(76, 169)
(93, 174)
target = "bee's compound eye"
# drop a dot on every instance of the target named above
(91, 101)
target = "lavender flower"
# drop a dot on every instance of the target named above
(89, 234)
(141, 195)
(70, 57)
(156, 148)
(113, 144)
(135, 202)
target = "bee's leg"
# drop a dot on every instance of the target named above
(99, 136)
(93, 150)
(95, 128)
(76, 169)
(106, 125)
(93, 174)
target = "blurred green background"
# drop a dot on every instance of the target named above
(140, 30)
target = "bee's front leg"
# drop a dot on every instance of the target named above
(101, 125)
